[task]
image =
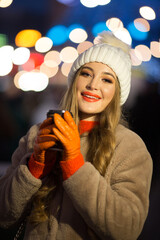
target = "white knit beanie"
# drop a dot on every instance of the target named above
(112, 52)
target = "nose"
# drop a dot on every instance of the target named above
(93, 84)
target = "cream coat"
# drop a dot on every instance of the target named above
(113, 207)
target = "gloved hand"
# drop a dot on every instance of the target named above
(67, 133)
(45, 139)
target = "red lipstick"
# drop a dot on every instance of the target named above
(90, 97)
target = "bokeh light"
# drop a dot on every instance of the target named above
(66, 2)
(99, 27)
(103, 2)
(43, 44)
(84, 46)
(58, 34)
(20, 55)
(27, 38)
(52, 59)
(6, 64)
(144, 52)
(147, 13)
(114, 24)
(142, 24)
(33, 81)
(49, 71)
(155, 49)
(135, 33)
(5, 3)
(34, 61)
(124, 35)
(94, 3)
(16, 78)
(78, 35)
(136, 61)
(68, 54)
(89, 3)
(74, 26)
(65, 68)
(3, 39)
(6, 51)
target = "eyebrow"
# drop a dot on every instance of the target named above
(106, 73)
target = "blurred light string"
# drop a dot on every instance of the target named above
(44, 62)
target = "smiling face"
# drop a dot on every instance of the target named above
(95, 85)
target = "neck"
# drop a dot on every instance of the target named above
(88, 117)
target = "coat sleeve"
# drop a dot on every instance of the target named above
(18, 185)
(115, 206)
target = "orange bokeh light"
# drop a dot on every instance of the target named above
(27, 38)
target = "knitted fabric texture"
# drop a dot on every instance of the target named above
(114, 57)
(86, 126)
(40, 170)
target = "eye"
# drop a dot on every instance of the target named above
(107, 80)
(85, 73)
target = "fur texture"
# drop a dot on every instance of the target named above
(110, 39)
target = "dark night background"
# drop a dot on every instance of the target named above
(19, 110)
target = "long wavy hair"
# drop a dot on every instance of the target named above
(101, 141)
(102, 137)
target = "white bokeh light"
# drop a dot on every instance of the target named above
(144, 51)
(135, 57)
(89, 3)
(103, 2)
(52, 59)
(43, 44)
(68, 54)
(147, 13)
(20, 55)
(6, 64)
(124, 35)
(65, 69)
(6, 51)
(49, 71)
(33, 81)
(5, 3)
(78, 35)
(114, 24)
(155, 48)
(16, 78)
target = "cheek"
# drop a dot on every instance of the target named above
(109, 92)
(79, 84)
(78, 89)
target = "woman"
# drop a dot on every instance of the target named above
(98, 186)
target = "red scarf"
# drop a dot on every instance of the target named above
(86, 126)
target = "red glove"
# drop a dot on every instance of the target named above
(45, 139)
(42, 160)
(67, 133)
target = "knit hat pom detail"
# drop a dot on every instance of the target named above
(110, 39)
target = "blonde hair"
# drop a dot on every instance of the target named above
(41, 201)
(102, 137)
(102, 144)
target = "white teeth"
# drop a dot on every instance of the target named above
(90, 96)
